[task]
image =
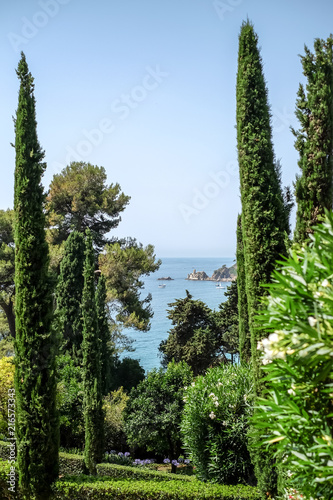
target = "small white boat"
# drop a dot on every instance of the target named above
(219, 286)
(162, 285)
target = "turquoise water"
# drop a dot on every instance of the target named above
(146, 343)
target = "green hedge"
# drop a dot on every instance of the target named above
(102, 488)
(124, 472)
(70, 464)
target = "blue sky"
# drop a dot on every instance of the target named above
(146, 89)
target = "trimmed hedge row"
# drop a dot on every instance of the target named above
(124, 472)
(103, 488)
(71, 464)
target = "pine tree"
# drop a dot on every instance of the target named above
(93, 411)
(264, 217)
(35, 383)
(104, 335)
(69, 296)
(314, 139)
(244, 333)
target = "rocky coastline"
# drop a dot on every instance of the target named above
(223, 274)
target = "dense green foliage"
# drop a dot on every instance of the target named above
(195, 336)
(153, 412)
(80, 199)
(123, 265)
(7, 266)
(124, 472)
(243, 315)
(314, 139)
(70, 402)
(69, 296)
(35, 382)
(106, 348)
(297, 412)
(114, 406)
(228, 324)
(93, 411)
(215, 424)
(126, 373)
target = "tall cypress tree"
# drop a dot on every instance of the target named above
(314, 139)
(35, 381)
(104, 335)
(93, 411)
(264, 217)
(69, 296)
(244, 333)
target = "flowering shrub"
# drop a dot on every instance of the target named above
(119, 458)
(297, 413)
(215, 423)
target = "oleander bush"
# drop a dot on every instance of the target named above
(296, 415)
(215, 424)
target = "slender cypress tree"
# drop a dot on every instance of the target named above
(35, 382)
(93, 411)
(244, 333)
(69, 296)
(104, 335)
(264, 217)
(314, 139)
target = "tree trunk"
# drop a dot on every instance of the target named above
(8, 309)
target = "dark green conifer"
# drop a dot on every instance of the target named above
(37, 429)
(264, 217)
(93, 411)
(69, 296)
(314, 139)
(243, 318)
(104, 335)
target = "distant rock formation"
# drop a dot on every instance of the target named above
(200, 275)
(224, 273)
(165, 279)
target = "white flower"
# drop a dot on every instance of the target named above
(274, 337)
(185, 388)
(245, 397)
(266, 361)
(291, 392)
(259, 346)
(212, 415)
(224, 423)
(211, 395)
(216, 403)
(312, 321)
(219, 384)
(325, 283)
(193, 384)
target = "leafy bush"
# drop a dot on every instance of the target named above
(7, 369)
(114, 406)
(297, 412)
(215, 424)
(153, 412)
(126, 373)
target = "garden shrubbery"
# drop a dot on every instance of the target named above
(215, 424)
(297, 414)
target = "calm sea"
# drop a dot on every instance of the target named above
(146, 343)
